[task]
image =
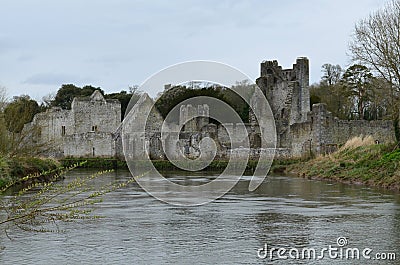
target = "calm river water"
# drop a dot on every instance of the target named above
(287, 212)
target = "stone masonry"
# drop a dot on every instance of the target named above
(84, 131)
(301, 131)
(92, 128)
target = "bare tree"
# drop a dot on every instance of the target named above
(3, 98)
(331, 74)
(376, 43)
(48, 99)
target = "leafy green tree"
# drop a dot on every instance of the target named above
(175, 95)
(314, 99)
(334, 96)
(4, 136)
(246, 89)
(20, 111)
(68, 92)
(65, 95)
(88, 90)
(13, 116)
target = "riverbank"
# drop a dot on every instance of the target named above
(114, 163)
(359, 161)
(278, 166)
(16, 169)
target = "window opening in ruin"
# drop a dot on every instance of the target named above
(62, 130)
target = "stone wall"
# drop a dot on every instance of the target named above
(237, 136)
(141, 134)
(95, 114)
(323, 133)
(301, 139)
(89, 144)
(382, 130)
(49, 129)
(85, 130)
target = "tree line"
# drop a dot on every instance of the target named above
(370, 88)
(171, 97)
(353, 93)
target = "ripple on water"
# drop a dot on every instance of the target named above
(284, 211)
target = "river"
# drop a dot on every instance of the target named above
(287, 212)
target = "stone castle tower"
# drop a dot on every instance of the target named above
(287, 91)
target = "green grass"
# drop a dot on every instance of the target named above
(13, 169)
(375, 165)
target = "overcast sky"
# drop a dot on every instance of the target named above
(117, 43)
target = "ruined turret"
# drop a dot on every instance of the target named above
(287, 91)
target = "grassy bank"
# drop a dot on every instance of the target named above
(359, 161)
(13, 169)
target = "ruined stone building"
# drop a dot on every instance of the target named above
(302, 130)
(92, 127)
(84, 131)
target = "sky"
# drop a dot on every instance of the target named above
(114, 44)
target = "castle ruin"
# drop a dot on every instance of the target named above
(92, 127)
(86, 130)
(303, 130)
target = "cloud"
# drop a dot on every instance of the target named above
(124, 43)
(111, 59)
(54, 79)
(7, 45)
(25, 58)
